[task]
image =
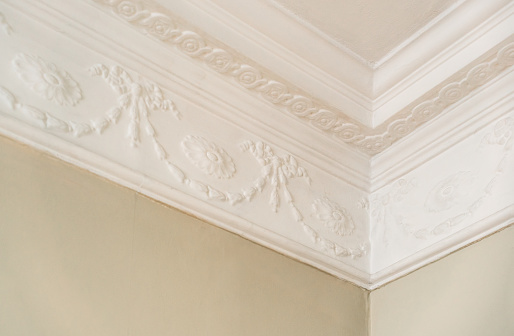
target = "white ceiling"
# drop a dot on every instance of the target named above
(370, 28)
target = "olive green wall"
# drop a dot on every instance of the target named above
(469, 293)
(82, 256)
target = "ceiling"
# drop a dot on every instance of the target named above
(365, 138)
(370, 29)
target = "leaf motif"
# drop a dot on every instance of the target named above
(8, 98)
(216, 194)
(80, 129)
(313, 234)
(161, 153)
(249, 193)
(114, 115)
(100, 125)
(199, 187)
(34, 113)
(287, 196)
(234, 198)
(176, 172)
(274, 199)
(54, 123)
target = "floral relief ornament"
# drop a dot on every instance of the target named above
(47, 80)
(210, 158)
(333, 216)
(449, 191)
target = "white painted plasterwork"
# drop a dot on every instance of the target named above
(174, 113)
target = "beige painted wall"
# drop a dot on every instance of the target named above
(469, 293)
(82, 256)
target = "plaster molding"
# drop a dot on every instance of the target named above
(138, 98)
(6, 27)
(208, 157)
(288, 97)
(333, 216)
(193, 141)
(419, 211)
(52, 122)
(47, 80)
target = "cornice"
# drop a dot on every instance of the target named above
(289, 98)
(174, 114)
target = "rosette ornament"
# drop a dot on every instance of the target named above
(449, 192)
(334, 217)
(47, 80)
(210, 158)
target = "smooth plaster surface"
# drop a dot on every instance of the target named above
(370, 28)
(469, 293)
(82, 256)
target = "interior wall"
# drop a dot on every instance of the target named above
(82, 256)
(469, 293)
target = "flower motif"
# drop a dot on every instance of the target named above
(47, 80)
(162, 27)
(208, 157)
(128, 10)
(220, 60)
(448, 192)
(334, 217)
(275, 92)
(249, 77)
(426, 111)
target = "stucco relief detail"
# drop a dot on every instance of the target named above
(141, 97)
(47, 80)
(4, 25)
(137, 97)
(383, 206)
(449, 192)
(454, 191)
(207, 156)
(333, 216)
(163, 26)
(50, 121)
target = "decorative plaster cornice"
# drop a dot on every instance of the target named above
(162, 25)
(139, 99)
(181, 150)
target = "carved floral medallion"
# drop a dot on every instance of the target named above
(47, 80)
(448, 192)
(334, 217)
(210, 158)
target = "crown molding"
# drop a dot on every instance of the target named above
(370, 141)
(136, 94)
(378, 90)
(460, 38)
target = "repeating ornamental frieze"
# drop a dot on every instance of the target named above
(162, 25)
(138, 98)
(449, 191)
(47, 80)
(459, 194)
